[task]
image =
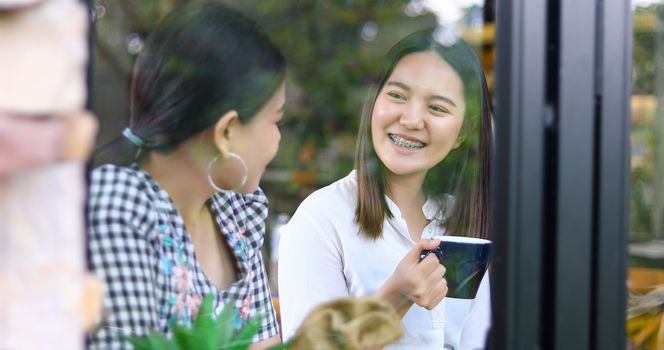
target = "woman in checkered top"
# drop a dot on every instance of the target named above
(175, 212)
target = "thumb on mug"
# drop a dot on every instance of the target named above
(423, 244)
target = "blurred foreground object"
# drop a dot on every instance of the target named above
(29, 142)
(346, 323)
(44, 138)
(645, 329)
(14, 5)
(350, 324)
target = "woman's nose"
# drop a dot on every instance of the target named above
(411, 119)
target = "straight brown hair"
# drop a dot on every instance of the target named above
(465, 173)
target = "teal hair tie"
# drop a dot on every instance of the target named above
(129, 135)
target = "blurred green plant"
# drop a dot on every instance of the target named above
(206, 332)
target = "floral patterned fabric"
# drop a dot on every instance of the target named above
(138, 245)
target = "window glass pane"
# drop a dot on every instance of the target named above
(645, 329)
(333, 49)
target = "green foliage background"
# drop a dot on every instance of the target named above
(329, 67)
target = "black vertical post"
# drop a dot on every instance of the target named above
(614, 33)
(575, 116)
(518, 182)
(561, 180)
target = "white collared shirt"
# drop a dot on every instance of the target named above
(322, 257)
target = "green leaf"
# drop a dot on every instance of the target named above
(159, 341)
(250, 329)
(237, 345)
(140, 343)
(224, 323)
(187, 339)
(242, 340)
(154, 341)
(205, 326)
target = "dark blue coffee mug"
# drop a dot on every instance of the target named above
(466, 260)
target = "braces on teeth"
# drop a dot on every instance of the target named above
(405, 143)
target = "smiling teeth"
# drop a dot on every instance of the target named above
(399, 141)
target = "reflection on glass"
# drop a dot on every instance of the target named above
(332, 49)
(645, 329)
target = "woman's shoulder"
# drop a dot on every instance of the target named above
(324, 217)
(332, 205)
(337, 195)
(118, 190)
(113, 177)
(124, 203)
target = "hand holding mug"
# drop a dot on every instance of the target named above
(421, 282)
(466, 260)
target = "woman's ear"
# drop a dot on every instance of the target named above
(223, 130)
(460, 139)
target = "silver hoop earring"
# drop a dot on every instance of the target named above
(244, 176)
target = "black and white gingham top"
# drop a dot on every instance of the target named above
(138, 245)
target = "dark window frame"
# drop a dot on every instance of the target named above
(561, 179)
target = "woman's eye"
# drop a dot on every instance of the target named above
(396, 96)
(438, 109)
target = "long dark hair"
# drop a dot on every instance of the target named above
(202, 60)
(465, 173)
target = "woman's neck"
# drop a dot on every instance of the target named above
(405, 191)
(184, 181)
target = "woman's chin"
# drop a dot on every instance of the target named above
(402, 170)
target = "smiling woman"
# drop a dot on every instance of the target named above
(422, 170)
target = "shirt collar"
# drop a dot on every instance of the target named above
(439, 209)
(433, 209)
